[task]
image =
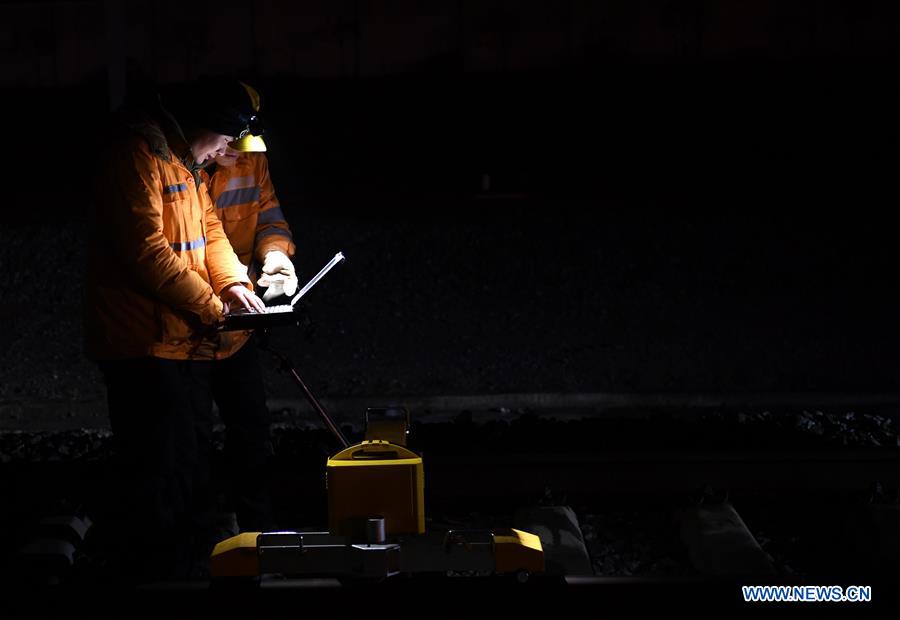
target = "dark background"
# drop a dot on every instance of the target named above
(684, 196)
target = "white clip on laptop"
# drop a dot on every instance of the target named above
(274, 315)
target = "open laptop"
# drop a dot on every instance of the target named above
(274, 315)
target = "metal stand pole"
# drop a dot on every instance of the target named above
(287, 365)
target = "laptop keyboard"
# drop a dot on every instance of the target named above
(269, 310)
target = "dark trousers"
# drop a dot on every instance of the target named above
(161, 417)
(239, 393)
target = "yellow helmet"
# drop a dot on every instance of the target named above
(250, 141)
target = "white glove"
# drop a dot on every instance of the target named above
(279, 276)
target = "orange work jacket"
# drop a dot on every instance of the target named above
(158, 257)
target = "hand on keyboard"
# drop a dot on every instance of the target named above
(237, 297)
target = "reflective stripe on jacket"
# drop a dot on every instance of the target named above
(250, 212)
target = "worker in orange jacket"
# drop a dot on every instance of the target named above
(241, 189)
(161, 272)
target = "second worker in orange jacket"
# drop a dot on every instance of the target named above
(241, 189)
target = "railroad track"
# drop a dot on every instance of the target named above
(654, 472)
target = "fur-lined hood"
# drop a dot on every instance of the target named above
(161, 131)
